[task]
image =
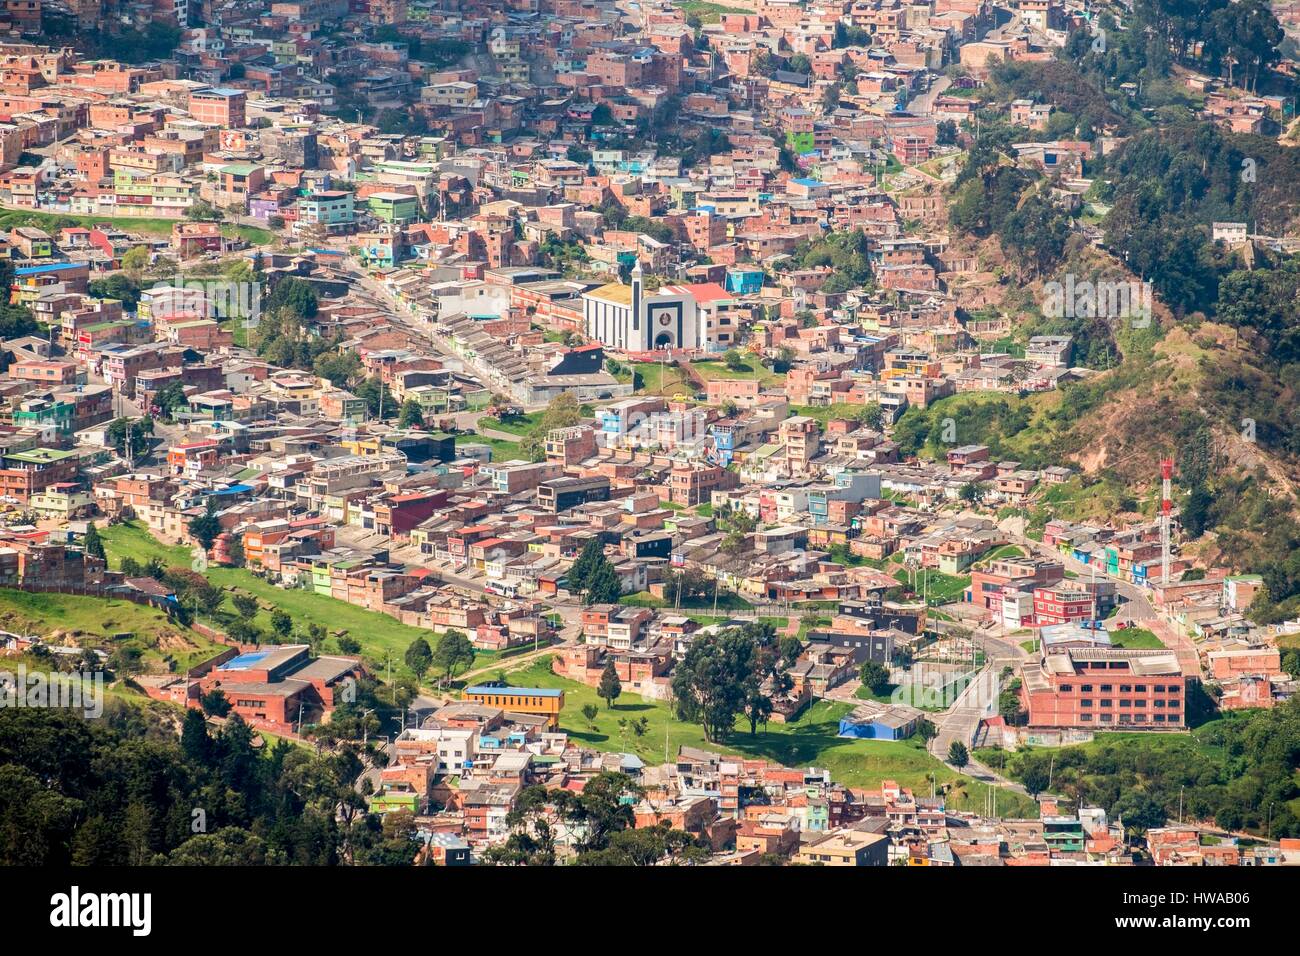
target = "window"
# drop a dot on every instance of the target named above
(1107, 702)
(1086, 702)
(1125, 688)
(1086, 688)
(1106, 688)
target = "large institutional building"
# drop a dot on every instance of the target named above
(624, 317)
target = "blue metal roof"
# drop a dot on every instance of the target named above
(48, 267)
(533, 691)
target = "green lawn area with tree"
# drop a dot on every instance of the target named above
(809, 740)
(159, 642)
(381, 637)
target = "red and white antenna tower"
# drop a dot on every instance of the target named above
(1166, 506)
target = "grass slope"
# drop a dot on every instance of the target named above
(807, 741)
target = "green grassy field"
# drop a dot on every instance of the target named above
(824, 413)
(164, 645)
(501, 450)
(1135, 637)
(666, 380)
(710, 12)
(521, 425)
(11, 218)
(750, 368)
(939, 588)
(380, 635)
(810, 740)
(1005, 551)
(727, 601)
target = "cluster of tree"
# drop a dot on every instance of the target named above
(118, 286)
(946, 424)
(1238, 772)
(157, 41)
(738, 670)
(133, 436)
(15, 320)
(616, 217)
(846, 253)
(593, 575)
(125, 791)
(283, 335)
(564, 411)
(568, 256)
(994, 197)
(1082, 108)
(452, 651)
(601, 821)
(1236, 37)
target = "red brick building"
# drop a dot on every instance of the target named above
(1104, 688)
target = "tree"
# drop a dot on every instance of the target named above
(128, 437)
(169, 398)
(281, 623)
(214, 703)
(734, 360)
(589, 713)
(874, 676)
(958, 755)
(135, 260)
(580, 572)
(563, 411)
(926, 730)
(419, 657)
(119, 286)
(195, 743)
(379, 401)
(92, 543)
(296, 295)
(245, 605)
(609, 687)
(453, 652)
(791, 647)
(339, 368)
(412, 415)
(1035, 781)
(604, 586)
(723, 674)
(205, 527)
(972, 492)
(872, 416)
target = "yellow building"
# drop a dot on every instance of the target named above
(542, 701)
(846, 848)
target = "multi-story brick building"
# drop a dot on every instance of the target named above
(1105, 688)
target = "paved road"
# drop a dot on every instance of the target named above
(1138, 608)
(924, 104)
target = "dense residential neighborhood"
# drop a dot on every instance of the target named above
(550, 432)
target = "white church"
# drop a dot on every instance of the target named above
(626, 318)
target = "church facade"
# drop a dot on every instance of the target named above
(625, 317)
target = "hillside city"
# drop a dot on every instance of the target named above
(650, 432)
